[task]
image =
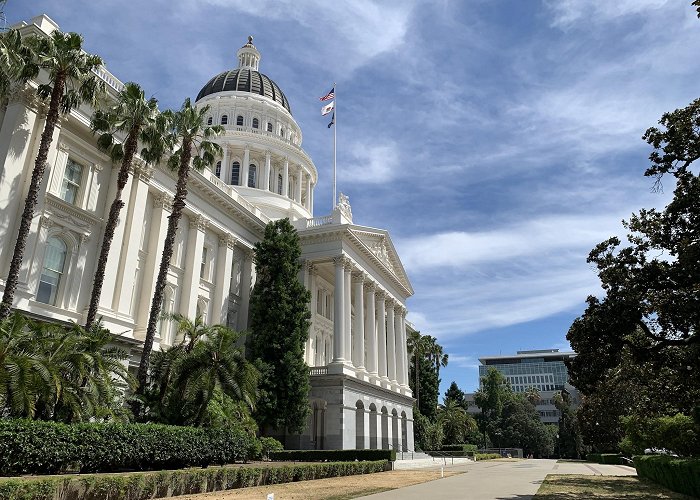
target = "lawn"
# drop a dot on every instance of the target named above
(574, 486)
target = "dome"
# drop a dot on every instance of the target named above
(246, 78)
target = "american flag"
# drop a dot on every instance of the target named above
(330, 95)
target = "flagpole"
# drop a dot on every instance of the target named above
(335, 132)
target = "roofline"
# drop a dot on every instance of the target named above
(563, 354)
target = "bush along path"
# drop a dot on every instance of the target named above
(161, 484)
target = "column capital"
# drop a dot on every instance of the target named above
(199, 222)
(340, 260)
(163, 200)
(359, 277)
(227, 240)
(399, 307)
(381, 294)
(389, 301)
(370, 286)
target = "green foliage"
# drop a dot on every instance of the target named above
(454, 393)
(199, 381)
(677, 474)
(455, 422)
(17, 61)
(679, 434)
(570, 444)
(53, 372)
(280, 321)
(486, 456)
(459, 447)
(269, 445)
(46, 447)
(638, 346)
(426, 357)
(173, 483)
(333, 455)
(605, 458)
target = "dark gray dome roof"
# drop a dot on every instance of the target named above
(245, 80)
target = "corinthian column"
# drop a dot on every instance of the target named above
(381, 333)
(399, 341)
(347, 309)
(358, 337)
(338, 314)
(371, 330)
(390, 341)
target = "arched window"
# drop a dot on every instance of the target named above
(235, 173)
(72, 178)
(252, 175)
(269, 127)
(239, 120)
(256, 123)
(217, 171)
(279, 184)
(224, 119)
(52, 271)
(210, 120)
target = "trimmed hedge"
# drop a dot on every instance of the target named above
(486, 456)
(332, 455)
(37, 447)
(677, 474)
(141, 486)
(605, 458)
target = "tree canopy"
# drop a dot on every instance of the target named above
(280, 321)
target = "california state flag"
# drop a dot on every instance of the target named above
(328, 108)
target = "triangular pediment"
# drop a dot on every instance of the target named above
(377, 244)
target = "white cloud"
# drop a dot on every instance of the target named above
(567, 12)
(370, 163)
(352, 32)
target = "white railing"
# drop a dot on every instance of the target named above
(109, 78)
(209, 175)
(324, 220)
(318, 370)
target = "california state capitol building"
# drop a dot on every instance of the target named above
(356, 351)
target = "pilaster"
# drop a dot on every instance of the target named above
(190, 282)
(224, 260)
(358, 333)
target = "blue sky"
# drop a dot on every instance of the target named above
(498, 141)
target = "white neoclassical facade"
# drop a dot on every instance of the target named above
(356, 349)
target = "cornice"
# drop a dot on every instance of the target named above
(82, 215)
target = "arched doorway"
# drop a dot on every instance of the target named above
(318, 423)
(404, 432)
(373, 417)
(394, 429)
(359, 425)
(385, 428)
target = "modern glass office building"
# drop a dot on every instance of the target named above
(544, 370)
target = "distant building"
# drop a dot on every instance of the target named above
(543, 370)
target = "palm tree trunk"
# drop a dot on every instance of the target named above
(111, 226)
(32, 195)
(156, 303)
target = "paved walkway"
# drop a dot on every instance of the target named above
(498, 480)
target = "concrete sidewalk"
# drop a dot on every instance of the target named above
(498, 480)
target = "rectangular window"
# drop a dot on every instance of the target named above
(72, 178)
(203, 267)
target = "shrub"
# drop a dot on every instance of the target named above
(333, 455)
(269, 445)
(172, 483)
(677, 474)
(486, 456)
(678, 433)
(605, 458)
(36, 447)
(459, 447)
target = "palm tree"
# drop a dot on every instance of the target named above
(140, 120)
(455, 421)
(416, 349)
(436, 354)
(52, 372)
(205, 365)
(195, 151)
(71, 81)
(17, 62)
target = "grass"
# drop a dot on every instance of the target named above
(574, 486)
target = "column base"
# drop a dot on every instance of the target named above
(340, 367)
